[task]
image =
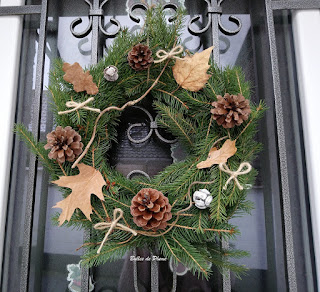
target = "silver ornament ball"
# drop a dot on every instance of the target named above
(111, 73)
(202, 198)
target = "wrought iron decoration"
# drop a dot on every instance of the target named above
(96, 9)
(214, 8)
(146, 6)
(153, 127)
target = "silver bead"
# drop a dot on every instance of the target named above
(202, 198)
(111, 73)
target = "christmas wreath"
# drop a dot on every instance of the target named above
(184, 211)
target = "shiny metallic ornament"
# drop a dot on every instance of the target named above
(202, 198)
(111, 73)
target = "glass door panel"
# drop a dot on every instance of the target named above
(55, 257)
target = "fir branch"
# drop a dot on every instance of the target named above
(93, 259)
(177, 259)
(183, 104)
(204, 229)
(240, 90)
(175, 119)
(123, 204)
(187, 252)
(35, 147)
(259, 108)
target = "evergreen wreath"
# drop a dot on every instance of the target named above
(208, 111)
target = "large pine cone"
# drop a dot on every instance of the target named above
(65, 144)
(150, 209)
(231, 110)
(140, 58)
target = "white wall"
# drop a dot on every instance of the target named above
(306, 26)
(10, 36)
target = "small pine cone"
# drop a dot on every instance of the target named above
(231, 110)
(150, 209)
(140, 58)
(65, 144)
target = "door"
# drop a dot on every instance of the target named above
(256, 35)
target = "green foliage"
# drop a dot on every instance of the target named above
(195, 240)
(37, 148)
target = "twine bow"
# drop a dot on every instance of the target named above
(234, 174)
(76, 106)
(163, 55)
(112, 225)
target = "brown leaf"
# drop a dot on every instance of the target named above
(191, 72)
(215, 156)
(88, 181)
(82, 81)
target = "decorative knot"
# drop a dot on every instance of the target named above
(163, 55)
(76, 106)
(214, 10)
(95, 12)
(234, 174)
(112, 225)
(153, 125)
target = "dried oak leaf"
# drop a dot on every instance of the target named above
(82, 81)
(216, 156)
(191, 72)
(88, 181)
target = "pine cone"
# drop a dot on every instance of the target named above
(231, 110)
(64, 144)
(150, 209)
(140, 57)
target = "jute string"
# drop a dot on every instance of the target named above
(112, 225)
(75, 106)
(163, 55)
(234, 174)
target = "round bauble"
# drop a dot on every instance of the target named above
(111, 73)
(202, 198)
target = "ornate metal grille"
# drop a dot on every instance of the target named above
(212, 19)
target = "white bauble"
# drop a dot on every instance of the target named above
(202, 198)
(111, 73)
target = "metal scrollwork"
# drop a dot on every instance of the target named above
(137, 171)
(95, 10)
(215, 8)
(153, 128)
(146, 6)
(171, 6)
(137, 6)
